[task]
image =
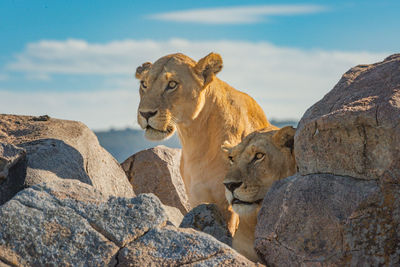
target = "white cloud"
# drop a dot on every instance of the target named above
(3, 77)
(98, 110)
(285, 81)
(37, 76)
(236, 15)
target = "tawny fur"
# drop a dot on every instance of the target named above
(206, 112)
(262, 158)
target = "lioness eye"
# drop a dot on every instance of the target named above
(143, 84)
(258, 156)
(171, 85)
(230, 160)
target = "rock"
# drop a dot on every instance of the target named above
(59, 149)
(156, 171)
(12, 162)
(9, 156)
(69, 223)
(179, 247)
(354, 130)
(208, 219)
(323, 219)
(174, 215)
(345, 209)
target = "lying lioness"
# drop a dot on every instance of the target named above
(262, 158)
(177, 92)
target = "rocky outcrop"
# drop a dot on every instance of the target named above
(69, 223)
(343, 208)
(56, 149)
(311, 219)
(156, 171)
(354, 130)
(208, 219)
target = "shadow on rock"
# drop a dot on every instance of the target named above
(45, 160)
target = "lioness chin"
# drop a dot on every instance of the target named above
(262, 158)
(178, 93)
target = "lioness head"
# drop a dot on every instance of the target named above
(260, 159)
(171, 92)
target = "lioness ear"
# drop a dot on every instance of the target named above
(285, 137)
(141, 70)
(226, 147)
(208, 66)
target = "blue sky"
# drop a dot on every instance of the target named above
(76, 59)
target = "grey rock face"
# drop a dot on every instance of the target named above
(354, 130)
(327, 219)
(69, 223)
(156, 171)
(59, 149)
(179, 247)
(208, 219)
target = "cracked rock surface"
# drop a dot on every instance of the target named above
(58, 149)
(327, 219)
(170, 246)
(355, 129)
(343, 207)
(69, 223)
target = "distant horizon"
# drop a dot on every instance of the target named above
(272, 121)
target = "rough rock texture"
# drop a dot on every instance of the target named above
(355, 129)
(345, 209)
(69, 223)
(9, 156)
(179, 247)
(208, 219)
(12, 160)
(329, 219)
(59, 149)
(156, 171)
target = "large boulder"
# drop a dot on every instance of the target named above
(156, 171)
(343, 208)
(69, 223)
(57, 149)
(354, 130)
(323, 219)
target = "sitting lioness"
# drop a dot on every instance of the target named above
(262, 158)
(178, 93)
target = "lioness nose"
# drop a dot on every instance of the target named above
(148, 115)
(232, 186)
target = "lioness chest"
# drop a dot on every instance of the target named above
(203, 178)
